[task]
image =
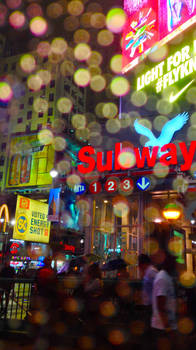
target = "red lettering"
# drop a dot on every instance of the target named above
(108, 164)
(83, 157)
(146, 156)
(187, 155)
(172, 154)
(118, 150)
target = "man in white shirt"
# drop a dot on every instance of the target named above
(164, 300)
(148, 273)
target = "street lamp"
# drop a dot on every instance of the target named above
(171, 211)
(53, 173)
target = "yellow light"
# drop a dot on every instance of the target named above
(171, 211)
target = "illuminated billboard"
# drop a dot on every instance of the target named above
(30, 162)
(31, 222)
(152, 23)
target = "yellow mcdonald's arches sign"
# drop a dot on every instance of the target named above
(31, 220)
(4, 209)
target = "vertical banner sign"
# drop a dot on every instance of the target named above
(54, 204)
(31, 221)
(152, 23)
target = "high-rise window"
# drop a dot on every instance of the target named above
(51, 97)
(52, 83)
(29, 115)
(50, 111)
(30, 100)
(3, 146)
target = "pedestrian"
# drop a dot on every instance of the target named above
(148, 273)
(7, 275)
(93, 290)
(46, 304)
(164, 323)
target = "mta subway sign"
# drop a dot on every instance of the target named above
(90, 160)
(143, 183)
(80, 189)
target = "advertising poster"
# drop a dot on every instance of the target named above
(151, 24)
(141, 30)
(30, 162)
(54, 204)
(176, 12)
(31, 221)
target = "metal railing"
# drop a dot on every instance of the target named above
(15, 298)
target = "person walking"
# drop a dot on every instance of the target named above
(7, 275)
(164, 323)
(148, 273)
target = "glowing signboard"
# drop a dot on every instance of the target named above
(145, 157)
(166, 73)
(151, 24)
(31, 221)
(30, 162)
(167, 132)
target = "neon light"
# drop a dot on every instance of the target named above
(145, 157)
(167, 132)
(176, 67)
(173, 97)
(140, 32)
(171, 17)
(4, 208)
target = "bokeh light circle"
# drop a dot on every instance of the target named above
(138, 98)
(34, 82)
(115, 20)
(119, 86)
(38, 26)
(81, 36)
(40, 105)
(160, 170)
(27, 63)
(98, 83)
(75, 7)
(64, 105)
(164, 107)
(59, 143)
(6, 92)
(82, 77)
(17, 19)
(105, 38)
(188, 279)
(43, 49)
(116, 64)
(97, 20)
(113, 126)
(45, 137)
(121, 209)
(159, 122)
(73, 180)
(82, 52)
(78, 121)
(109, 110)
(58, 46)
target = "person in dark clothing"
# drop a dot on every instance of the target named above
(7, 275)
(45, 303)
(46, 279)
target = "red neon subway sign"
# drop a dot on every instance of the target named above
(145, 157)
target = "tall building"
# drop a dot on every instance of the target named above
(25, 158)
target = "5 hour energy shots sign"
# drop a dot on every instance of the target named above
(31, 221)
(177, 66)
